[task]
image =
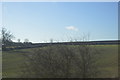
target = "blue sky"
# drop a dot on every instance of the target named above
(61, 21)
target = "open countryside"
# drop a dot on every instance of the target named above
(60, 40)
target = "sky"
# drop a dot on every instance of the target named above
(61, 21)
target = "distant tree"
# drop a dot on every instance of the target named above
(51, 40)
(7, 37)
(18, 40)
(26, 41)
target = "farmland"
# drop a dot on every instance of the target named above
(13, 61)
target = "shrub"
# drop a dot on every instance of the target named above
(62, 61)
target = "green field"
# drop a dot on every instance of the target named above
(13, 61)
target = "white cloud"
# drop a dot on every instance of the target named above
(73, 28)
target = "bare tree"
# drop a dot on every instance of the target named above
(87, 61)
(7, 37)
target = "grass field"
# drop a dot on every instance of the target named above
(13, 61)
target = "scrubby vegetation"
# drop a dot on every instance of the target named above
(62, 61)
